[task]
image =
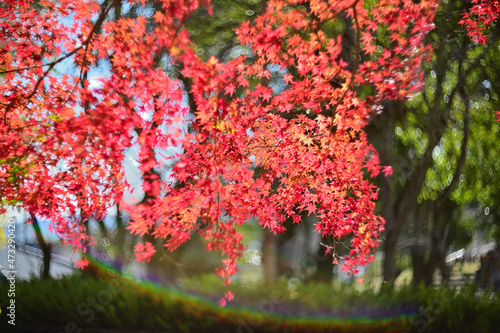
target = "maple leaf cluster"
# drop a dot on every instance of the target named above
(254, 152)
(479, 19)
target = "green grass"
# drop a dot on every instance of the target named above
(289, 306)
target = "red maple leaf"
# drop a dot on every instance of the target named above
(144, 251)
(82, 263)
(387, 170)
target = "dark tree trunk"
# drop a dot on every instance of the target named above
(390, 269)
(121, 234)
(418, 262)
(324, 261)
(445, 270)
(44, 246)
(436, 252)
(427, 259)
(47, 257)
(270, 257)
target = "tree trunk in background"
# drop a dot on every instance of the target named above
(438, 238)
(443, 267)
(270, 257)
(390, 264)
(398, 197)
(45, 247)
(102, 228)
(429, 255)
(436, 252)
(381, 130)
(121, 234)
(324, 261)
(418, 262)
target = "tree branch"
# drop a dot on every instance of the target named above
(461, 161)
(98, 23)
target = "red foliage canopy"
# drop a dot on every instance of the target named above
(480, 17)
(63, 141)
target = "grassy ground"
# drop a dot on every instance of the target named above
(87, 304)
(78, 304)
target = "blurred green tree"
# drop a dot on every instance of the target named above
(435, 142)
